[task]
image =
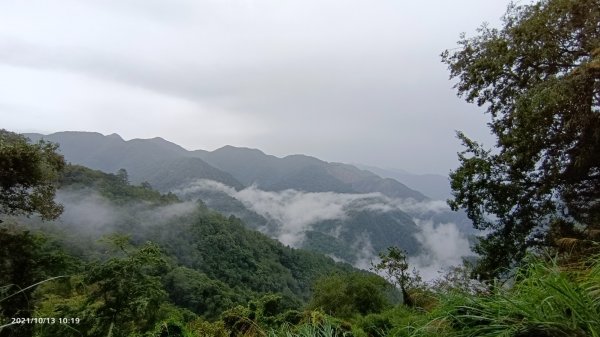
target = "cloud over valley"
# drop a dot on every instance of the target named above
(296, 212)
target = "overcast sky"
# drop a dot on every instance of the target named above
(357, 81)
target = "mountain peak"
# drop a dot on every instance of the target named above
(300, 155)
(77, 133)
(114, 136)
(238, 149)
(160, 140)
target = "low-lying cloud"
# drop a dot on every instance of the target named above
(90, 213)
(87, 210)
(443, 246)
(295, 213)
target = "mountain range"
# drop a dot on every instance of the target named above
(166, 166)
(348, 213)
(435, 186)
(212, 262)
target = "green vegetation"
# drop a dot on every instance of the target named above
(538, 79)
(27, 176)
(27, 259)
(114, 187)
(349, 295)
(547, 300)
(394, 265)
(122, 295)
(182, 265)
(135, 262)
(383, 229)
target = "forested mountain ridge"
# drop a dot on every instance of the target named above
(166, 165)
(124, 258)
(196, 237)
(214, 262)
(300, 172)
(165, 267)
(161, 163)
(435, 186)
(355, 235)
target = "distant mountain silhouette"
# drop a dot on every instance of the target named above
(163, 164)
(168, 166)
(435, 186)
(303, 173)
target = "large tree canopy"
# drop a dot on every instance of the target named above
(28, 173)
(539, 79)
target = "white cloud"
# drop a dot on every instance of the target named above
(285, 76)
(90, 213)
(87, 211)
(294, 211)
(443, 244)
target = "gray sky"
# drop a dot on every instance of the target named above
(356, 81)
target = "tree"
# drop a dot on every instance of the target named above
(346, 295)
(126, 292)
(118, 296)
(395, 267)
(28, 173)
(123, 175)
(193, 290)
(539, 79)
(26, 260)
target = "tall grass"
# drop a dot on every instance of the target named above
(4, 297)
(311, 329)
(547, 300)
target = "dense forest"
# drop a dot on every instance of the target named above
(88, 253)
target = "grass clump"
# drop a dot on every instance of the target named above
(547, 299)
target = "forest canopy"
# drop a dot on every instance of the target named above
(538, 77)
(28, 174)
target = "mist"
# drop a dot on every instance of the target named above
(295, 212)
(444, 246)
(89, 213)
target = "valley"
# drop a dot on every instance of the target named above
(336, 209)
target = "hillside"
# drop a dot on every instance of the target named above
(300, 172)
(166, 166)
(332, 208)
(126, 251)
(220, 249)
(161, 163)
(434, 186)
